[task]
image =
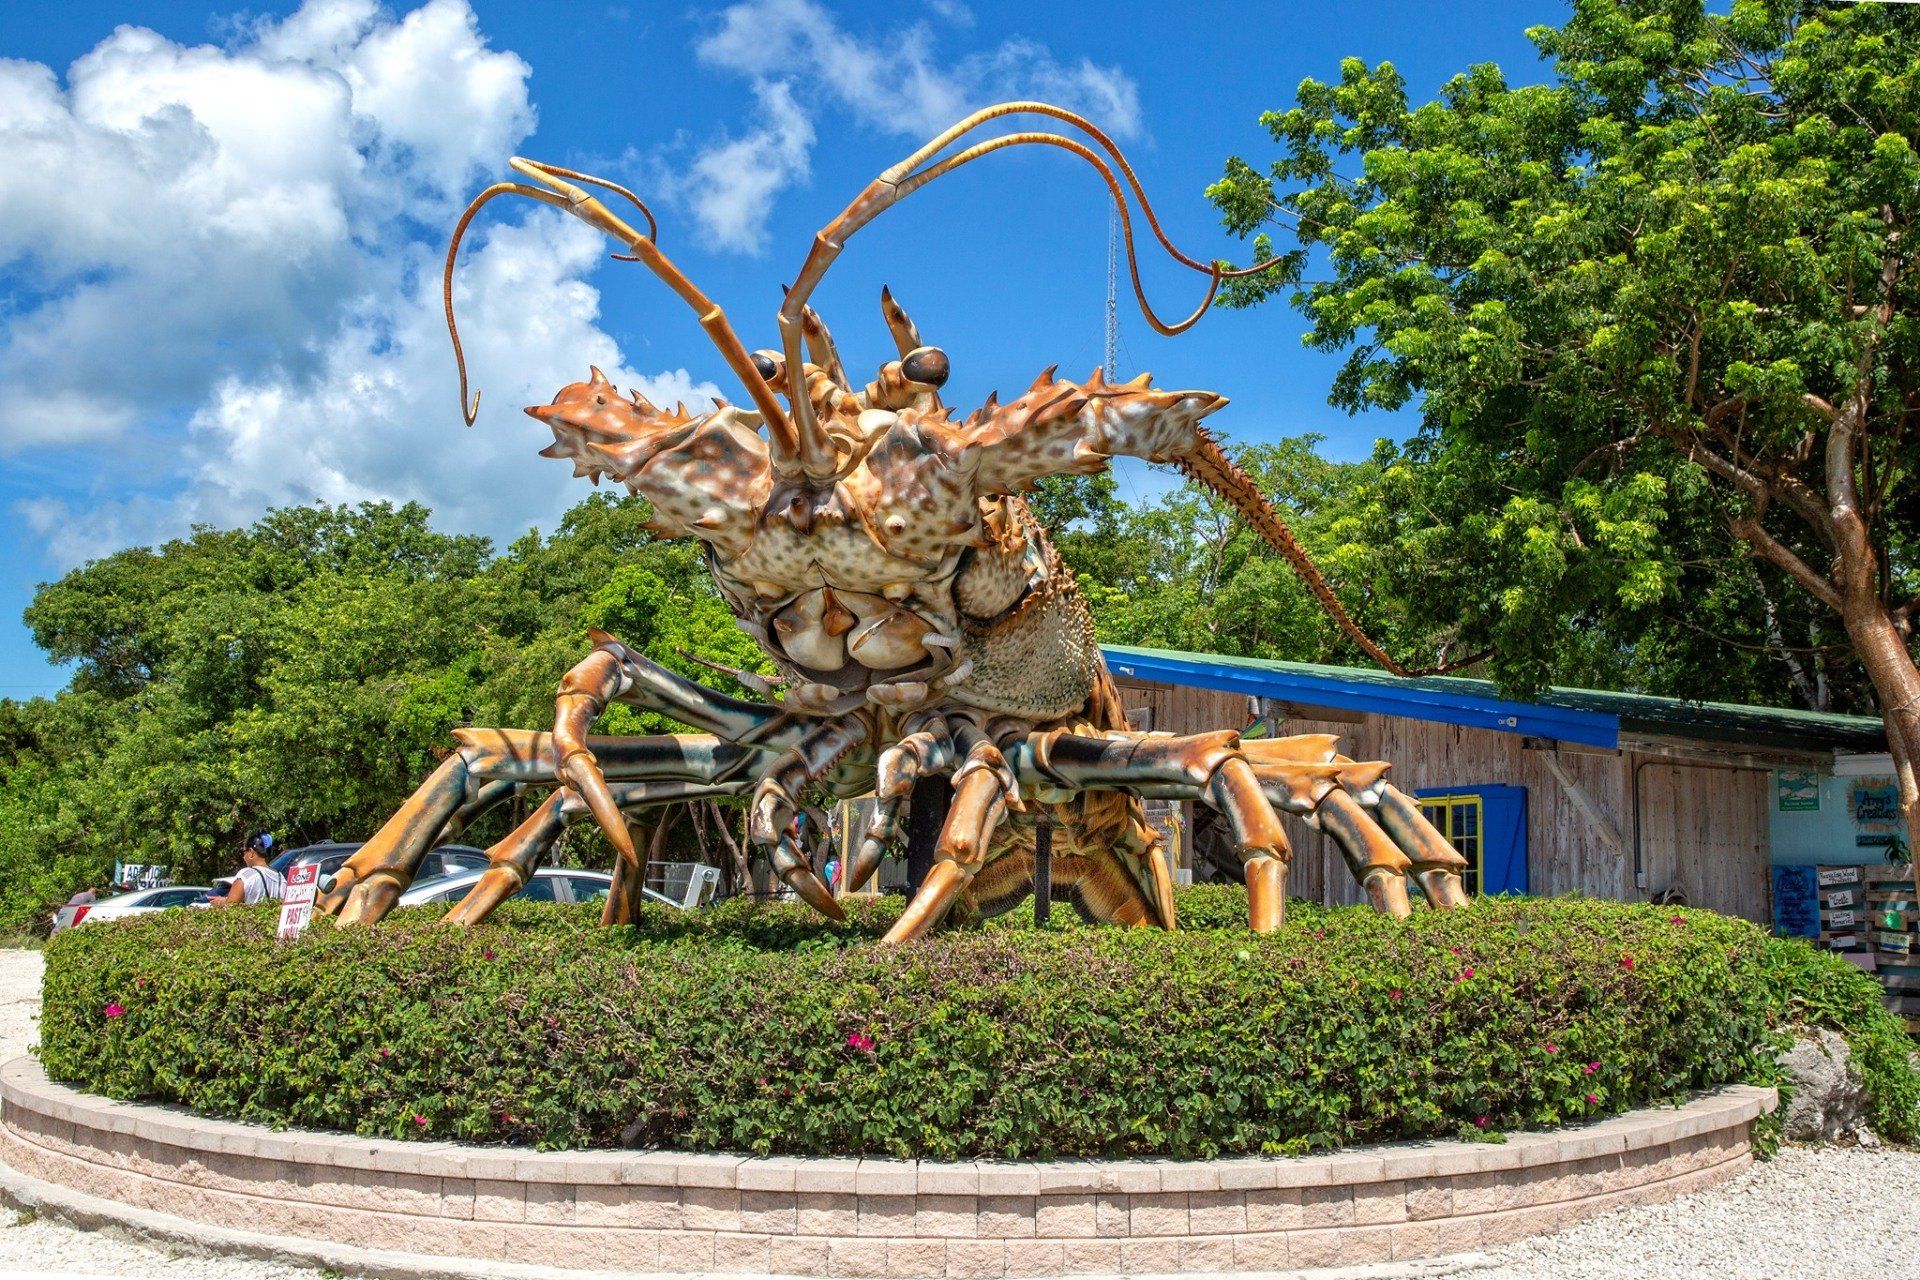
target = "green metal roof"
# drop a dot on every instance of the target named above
(1567, 714)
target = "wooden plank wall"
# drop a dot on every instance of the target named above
(1703, 827)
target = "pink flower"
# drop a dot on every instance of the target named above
(1679, 919)
(114, 1010)
(1590, 1068)
(1395, 994)
(1626, 962)
(1319, 933)
(385, 1052)
(487, 954)
(1593, 1099)
(1465, 974)
(420, 1120)
(860, 1042)
(1483, 1121)
(1552, 1047)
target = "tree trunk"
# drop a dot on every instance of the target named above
(1896, 681)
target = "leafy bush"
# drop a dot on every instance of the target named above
(763, 1029)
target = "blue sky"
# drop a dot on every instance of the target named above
(219, 229)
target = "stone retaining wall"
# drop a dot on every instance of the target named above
(672, 1211)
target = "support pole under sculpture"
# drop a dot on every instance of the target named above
(1042, 869)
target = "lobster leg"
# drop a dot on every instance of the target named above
(981, 788)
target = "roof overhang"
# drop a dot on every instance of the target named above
(1408, 701)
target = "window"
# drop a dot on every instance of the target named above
(1487, 824)
(588, 888)
(1461, 820)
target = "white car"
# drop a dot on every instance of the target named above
(137, 903)
(549, 884)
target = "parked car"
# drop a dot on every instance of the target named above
(331, 855)
(138, 903)
(549, 884)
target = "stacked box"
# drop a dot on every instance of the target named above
(1892, 917)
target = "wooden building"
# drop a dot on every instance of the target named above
(1614, 795)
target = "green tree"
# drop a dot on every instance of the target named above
(1665, 298)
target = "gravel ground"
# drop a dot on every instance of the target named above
(1809, 1214)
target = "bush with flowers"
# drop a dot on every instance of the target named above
(764, 1029)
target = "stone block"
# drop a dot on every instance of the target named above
(1007, 1178)
(1275, 1209)
(499, 1201)
(946, 1216)
(1429, 1198)
(797, 1256)
(1216, 1212)
(654, 1208)
(682, 1251)
(741, 1254)
(1263, 1251)
(1189, 1175)
(1159, 1214)
(549, 1202)
(1326, 1206)
(829, 1215)
(856, 1257)
(1067, 1175)
(1035, 1257)
(710, 1208)
(1380, 1202)
(1092, 1257)
(1460, 1235)
(1365, 1245)
(947, 1178)
(1059, 1217)
(884, 1215)
(1209, 1254)
(1150, 1257)
(600, 1206)
(886, 1178)
(976, 1259)
(1111, 1216)
(831, 1175)
(916, 1259)
(456, 1198)
(765, 1175)
(1317, 1248)
(774, 1213)
(1006, 1217)
(705, 1169)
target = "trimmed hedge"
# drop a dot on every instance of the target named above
(764, 1029)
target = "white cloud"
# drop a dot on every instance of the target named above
(219, 297)
(800, 59)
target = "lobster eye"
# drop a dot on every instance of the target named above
(927, 365)
(763, 365)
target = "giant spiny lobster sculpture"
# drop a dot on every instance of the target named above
(878, 550)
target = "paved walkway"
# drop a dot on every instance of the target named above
(1808, 1214)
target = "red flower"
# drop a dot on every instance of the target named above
(1626, 962)
(1483, 1121)
(1552, 1047)
(487, 954)
(860, 1042)
(113, 1010)
(1465, 974)
(1679, 919)
(1590, 1068)
(420, 1120)
(385, 1052)
(1394, 994)
(1593, 1099)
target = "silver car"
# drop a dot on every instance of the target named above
(549, 884)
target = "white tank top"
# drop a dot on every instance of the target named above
(261, 883)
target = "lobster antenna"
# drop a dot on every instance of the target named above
(563, 194)
(909, 175)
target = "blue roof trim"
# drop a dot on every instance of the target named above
(1564, 724)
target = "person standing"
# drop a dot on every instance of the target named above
(255, 881)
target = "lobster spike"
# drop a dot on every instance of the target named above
(598, 378)
(1139, 383)
(1045, 379)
